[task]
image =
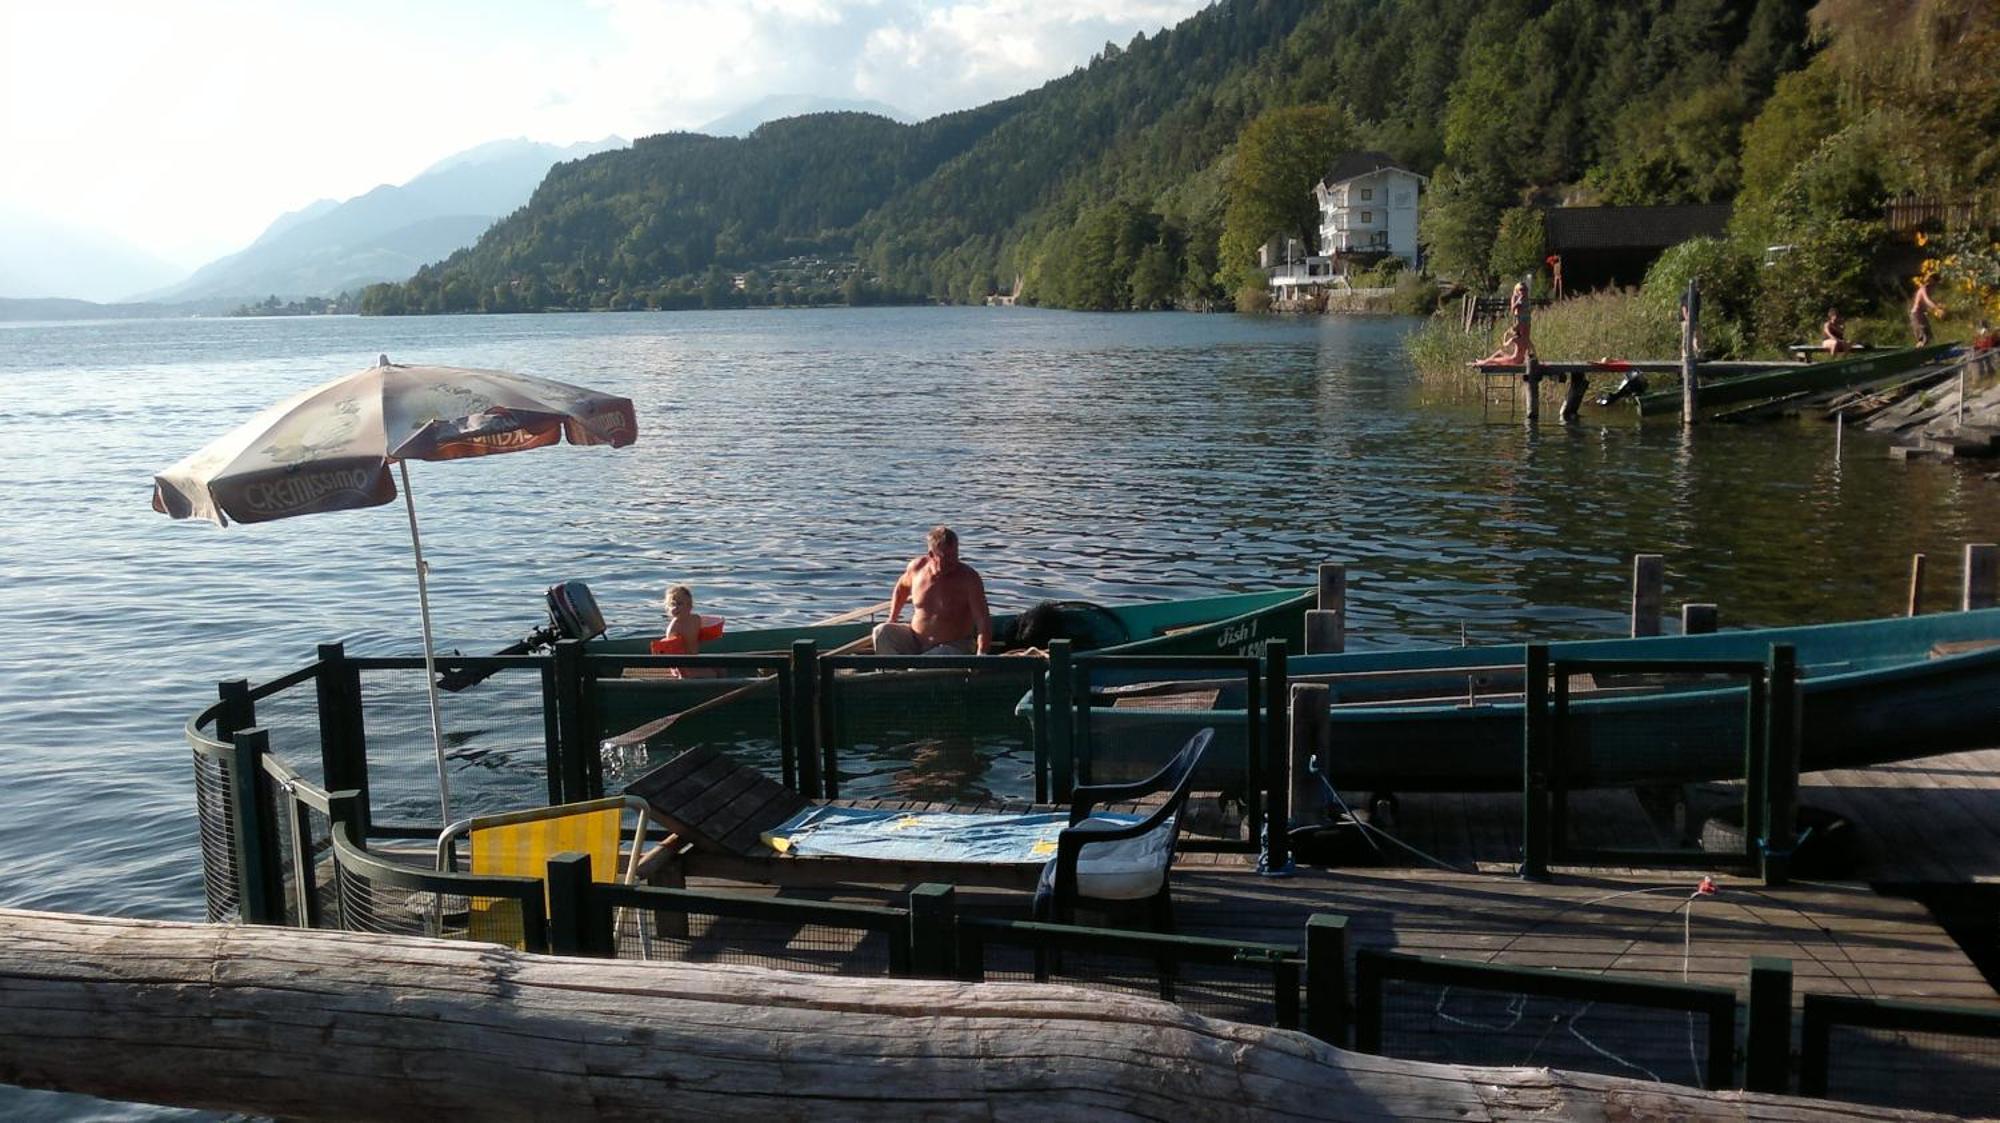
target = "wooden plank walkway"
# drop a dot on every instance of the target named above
(1930, 821)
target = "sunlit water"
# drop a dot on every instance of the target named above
(788, 465)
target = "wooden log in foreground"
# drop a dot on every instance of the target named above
(331, 1025)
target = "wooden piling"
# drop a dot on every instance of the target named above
(1648, 582)
(1698, 619)
(1311, 733)
(1333, 601)
(1690, 363)
(1916, 585)
(1982, 576)
(1531, 389)
(1579, 383)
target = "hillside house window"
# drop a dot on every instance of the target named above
(1367, 216)
(1367, 193)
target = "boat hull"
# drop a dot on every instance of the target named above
(1872, 692)
(1803, 378)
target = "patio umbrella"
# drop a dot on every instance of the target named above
(331, 448)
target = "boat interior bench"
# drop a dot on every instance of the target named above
(732, 822)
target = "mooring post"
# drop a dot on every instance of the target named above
(1536, 760)
(1781, 764)
(1311, 722)
(572, 930)
(1916, 585)
(1698, 619)
(1648, 582)
(343, 745)
(1531, 387)
(1326, 628)
(1690, 360)
(260, 891)
(1982, 576)
(933, 931)
(1062, 722)
(1768, 1043)
(1276, 778)
(1579, 383)
(1326, 978)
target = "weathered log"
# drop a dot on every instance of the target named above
(333, 1025)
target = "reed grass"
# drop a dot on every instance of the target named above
(1617, 325)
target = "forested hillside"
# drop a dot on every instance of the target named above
(1113, 187)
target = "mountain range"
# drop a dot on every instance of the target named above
(329, 247)
(44, 259)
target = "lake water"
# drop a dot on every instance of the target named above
(788, 464)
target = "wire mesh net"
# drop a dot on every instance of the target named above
(217, 823)
(945, 735)
(1131, 729)
(1239, 992)
(706, 937)
(307, 875)
(1457, 1024)
(1926, 1070)
(496, 749)
(740, 714)
(370, 905)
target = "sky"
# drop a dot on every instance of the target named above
(186, 126)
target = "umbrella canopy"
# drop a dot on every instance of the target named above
(331, 448)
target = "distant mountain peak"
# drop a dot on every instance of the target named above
(744, 121)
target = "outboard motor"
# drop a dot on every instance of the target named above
(573, 614)
(1633, 386)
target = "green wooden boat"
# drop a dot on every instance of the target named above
(1804, 378)
(1234, 624)
(1450, 719)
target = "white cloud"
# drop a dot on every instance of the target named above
(186, 127)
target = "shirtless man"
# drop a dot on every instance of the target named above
(948, 605)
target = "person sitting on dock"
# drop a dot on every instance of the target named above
(1834, 331)
(1515, 348)
(1985, 339)
(947, 600)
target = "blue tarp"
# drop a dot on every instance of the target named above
(923, 836)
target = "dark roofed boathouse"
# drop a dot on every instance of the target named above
(1604, 247)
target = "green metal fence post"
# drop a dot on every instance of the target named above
(1767, 1063)
(1781, 759)
(1326, 978)
(1756, 767)
(577, 745)
(805, 715)
(343, 747)
(1277, 761)
(832, 731)
(570, 929)
(1062, 722)
(788, 744)
(253, 835)
(1038, 693)
(238, 712)
(933, 930)
(1536, 753)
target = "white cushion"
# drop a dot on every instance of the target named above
(1129, 869)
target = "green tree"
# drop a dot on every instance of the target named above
(1457, 225)
(1518, 247)
(1279, 158)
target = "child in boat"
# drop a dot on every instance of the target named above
(684, 631)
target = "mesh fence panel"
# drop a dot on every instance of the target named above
(1429, 1021)
(314, 866)
(933, 734)
(1926, 1070)
(1130, 730)
(367, 905)
(743, 718)
(698, 937)
(1238, 992)
(495, 749)
(217, 825)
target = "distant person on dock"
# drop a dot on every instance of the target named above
(683, 632)
(1921, 307)
(1515, 347)
(1834, 333)
(947, 600)
(1985, 339)
(1555, 263)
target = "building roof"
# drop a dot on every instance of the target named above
(1349, 165)
(1618, 228)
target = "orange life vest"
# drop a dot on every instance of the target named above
(711, 629)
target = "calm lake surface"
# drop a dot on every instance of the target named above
(788, 465)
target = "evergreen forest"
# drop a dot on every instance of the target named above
(1147, 178)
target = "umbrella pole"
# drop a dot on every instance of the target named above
(430, 669)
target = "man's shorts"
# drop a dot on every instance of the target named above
(899, 639)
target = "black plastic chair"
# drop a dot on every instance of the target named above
(1059, 893)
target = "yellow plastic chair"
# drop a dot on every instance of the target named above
(520, 844)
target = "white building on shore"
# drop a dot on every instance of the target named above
(1368, 211)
